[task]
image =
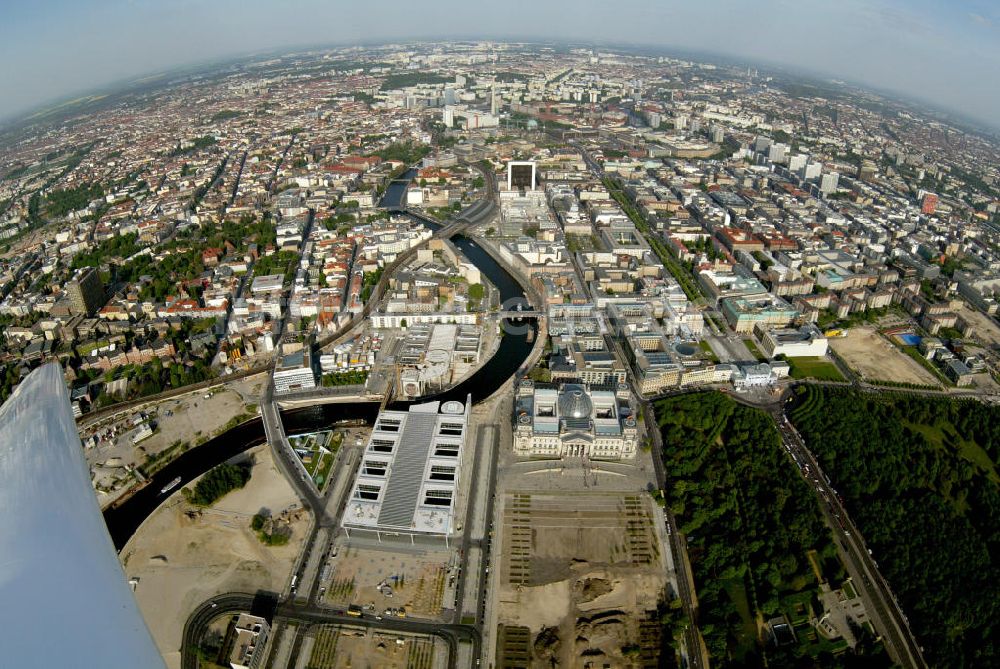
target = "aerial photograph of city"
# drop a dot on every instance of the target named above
(525, 335)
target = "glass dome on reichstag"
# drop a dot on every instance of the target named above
(574, 402)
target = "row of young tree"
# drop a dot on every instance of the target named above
(750, 522)
(919, 478)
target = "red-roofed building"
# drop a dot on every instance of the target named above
(780, 243)
(735, 239)
(210, 256)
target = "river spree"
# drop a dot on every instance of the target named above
(514, 348)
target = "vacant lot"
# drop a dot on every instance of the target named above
(344, 647)
(416, 580)
(182, 556)
(985, 329)
(874, 358)
(579, 575)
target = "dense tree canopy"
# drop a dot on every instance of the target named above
(919, 478)
(61, 202)
(750, 522)
(217, 482)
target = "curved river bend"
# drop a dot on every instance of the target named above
(514, 349)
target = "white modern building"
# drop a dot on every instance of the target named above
(574, 421)
(398, 320)
(758, 375)
(522, 174)
(806, 341)
(294, 371)
(270, 283)
(407, 484)
(250, 635)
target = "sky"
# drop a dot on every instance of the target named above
(945, 52)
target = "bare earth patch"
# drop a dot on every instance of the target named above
(182, 559)
(581, 572)
(873, 358)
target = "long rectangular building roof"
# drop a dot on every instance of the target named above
(408, 478)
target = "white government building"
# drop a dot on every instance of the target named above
(574, 421)
(407, 484)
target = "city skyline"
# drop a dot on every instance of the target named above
(523, 354)
(925, 51)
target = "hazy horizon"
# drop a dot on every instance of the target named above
(942, 55)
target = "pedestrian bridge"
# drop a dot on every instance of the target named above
(515, 314)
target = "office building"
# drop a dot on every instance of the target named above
(828, 183)
(407, 484)
(294, 371)
(928, 204)
(522, 174)
(777, 153)
(812, 171)
(806, 341)
(745, 313)
(250, 635)
(85, 292)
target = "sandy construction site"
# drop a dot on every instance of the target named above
(416, 580)
(872, 357)
(984, 328)
(350, 647)
(581, 577)
(182, 556)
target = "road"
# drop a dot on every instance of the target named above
(696, 657)
(265, 606)
(325, 523)
(879, 601)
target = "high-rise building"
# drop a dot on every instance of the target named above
(797, 162)
(812, 171)
(85, 292)
(828, 184)
(762, 144)
(867, 171)
(777, 153)
(928, 205)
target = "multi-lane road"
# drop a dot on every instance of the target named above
(308, 614)
(692, 637)
(879, 601)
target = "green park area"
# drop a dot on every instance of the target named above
(758, 546)
(919, 478)
(317, 451)
(820, 369)
(754, 351)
